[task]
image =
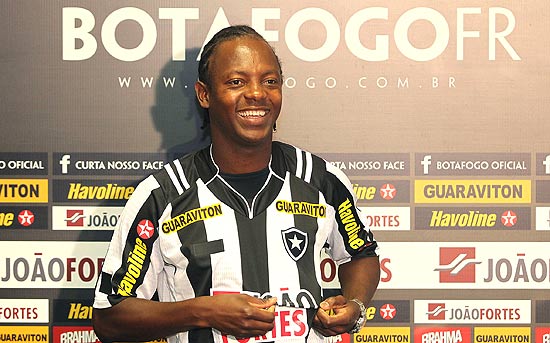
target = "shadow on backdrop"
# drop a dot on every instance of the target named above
(179, 119)
(176, 113)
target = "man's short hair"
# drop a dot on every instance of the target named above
(224, 35)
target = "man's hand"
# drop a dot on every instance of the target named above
(335, 316)
(240, 315)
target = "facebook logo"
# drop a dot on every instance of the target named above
(65, 162)
(426, 162)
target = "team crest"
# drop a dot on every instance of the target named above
(295, 242)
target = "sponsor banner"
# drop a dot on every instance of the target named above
(25, 334)
(472, 191)
(502, 334)
(106, 192)
(23, 190)
(392, 334)
(542, 218)
(387, 218)
(543, 164)
(72, 311)
(543, 191)
(24, 311)
(24, 217)
(85, 217)
(52, 264)
(74, 334)
(23, 163)
(451, 265)
(141, 164)
(442, 334)
(371, 164)
(542, 311)
(81, 334)
(473, 218)
(472, 312)
(542, 335)
(472, 164)
(383, 192)
(388, 311)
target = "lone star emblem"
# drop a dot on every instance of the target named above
(388, 191)
(25, 218)
(295, 242)
(145, 229)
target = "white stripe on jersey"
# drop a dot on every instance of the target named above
(181, 174)
(174, 179)
(309, 167)
(299, 163)
(226, 265)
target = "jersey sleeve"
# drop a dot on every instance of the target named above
(350, 238)
(133, 262)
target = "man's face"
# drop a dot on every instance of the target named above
(244, 96)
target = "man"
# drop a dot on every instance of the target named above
(228, 239)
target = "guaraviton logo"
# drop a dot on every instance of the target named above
(302, 208)
(192, 216)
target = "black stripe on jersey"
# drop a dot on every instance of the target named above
(253, 246)
(301, 191)
(338, 196)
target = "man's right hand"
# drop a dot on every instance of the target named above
(239, 315)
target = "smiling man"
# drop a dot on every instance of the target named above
(225, 243)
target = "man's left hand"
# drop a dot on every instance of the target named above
(335, 316)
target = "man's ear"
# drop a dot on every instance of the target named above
(201, 90)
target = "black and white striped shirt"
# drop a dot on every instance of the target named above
(185, 232)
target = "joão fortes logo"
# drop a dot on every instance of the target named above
(436, 311)
(75, 218)
(457, 265)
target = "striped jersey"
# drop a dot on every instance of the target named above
(185, 232)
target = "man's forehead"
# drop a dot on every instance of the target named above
(244, 50)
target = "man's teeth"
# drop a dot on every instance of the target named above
(252, 113)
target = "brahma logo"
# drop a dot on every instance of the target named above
(442, 334)
(436, 311)
(457, 265)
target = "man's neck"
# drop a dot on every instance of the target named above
(241, 160)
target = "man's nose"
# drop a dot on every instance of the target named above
(255, 91)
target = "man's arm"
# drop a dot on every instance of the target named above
(141, 320)
(358, 279)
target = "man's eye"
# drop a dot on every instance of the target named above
(235, 82)
(272, 81)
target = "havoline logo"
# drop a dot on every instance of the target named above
(94, 191)
(462, 218)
